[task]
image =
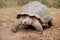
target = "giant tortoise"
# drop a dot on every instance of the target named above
(35, 14)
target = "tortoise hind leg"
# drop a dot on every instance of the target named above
(50, 23)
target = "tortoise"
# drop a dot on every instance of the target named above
(35, 14)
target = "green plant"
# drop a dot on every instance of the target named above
(57, 3)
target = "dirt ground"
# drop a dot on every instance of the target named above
(8, 16)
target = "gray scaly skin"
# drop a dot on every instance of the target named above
(24, 21)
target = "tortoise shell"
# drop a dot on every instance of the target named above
(37, 10)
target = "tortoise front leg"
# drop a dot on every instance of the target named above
(15, 25)
(37, 25)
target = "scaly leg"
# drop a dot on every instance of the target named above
(37, 25)
(15, 25)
